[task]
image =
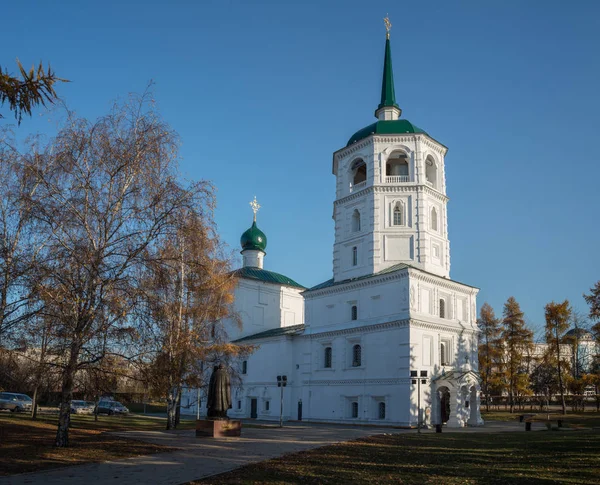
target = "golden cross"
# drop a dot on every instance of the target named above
(388, 25)
(255, 207)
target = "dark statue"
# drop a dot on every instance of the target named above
(219, 393)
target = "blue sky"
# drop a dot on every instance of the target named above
(262, 93)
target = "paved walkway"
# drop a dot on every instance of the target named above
(199, 458)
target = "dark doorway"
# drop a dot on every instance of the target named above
(253, 408)
(299, 410)
(445, 405)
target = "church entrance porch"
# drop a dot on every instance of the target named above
(457, 399)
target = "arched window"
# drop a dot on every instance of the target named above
(355, 221)
(381, 410)
(354, 256)
(354, 409)
(442, 308)
(434, 219)
(396, 168)
(359, 172)
(354, 312)
(356, 356)
(431, 173)
(443, 354)
(398, 214)
(245, 367)
(328, 358)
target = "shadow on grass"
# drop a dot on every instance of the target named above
(520, 458)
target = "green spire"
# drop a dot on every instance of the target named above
(388, 96)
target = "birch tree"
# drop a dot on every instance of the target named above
(106, 192)
(188, 295)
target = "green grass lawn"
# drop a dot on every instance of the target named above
(104, 422)
(27, 445)
(448, 458)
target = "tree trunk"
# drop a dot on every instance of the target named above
(172, 408)
(560, 382)
(35, 401)
(64, 417)
(178, 408)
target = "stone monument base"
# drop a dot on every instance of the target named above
(208, 428)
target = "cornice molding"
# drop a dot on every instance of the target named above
(378, 327)
(361, 382)
(344, 152)
(441, 281)
(354, 195)
(360, 283)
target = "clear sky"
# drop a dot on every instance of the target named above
(262, 94)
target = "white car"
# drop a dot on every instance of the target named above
(15, 402)
(82, 407)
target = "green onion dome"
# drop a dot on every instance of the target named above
(389, 127)
(254, 238)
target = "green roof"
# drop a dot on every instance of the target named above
(274, 332)
(254, 238)
(388, 95)
(391, 269)
(253, 273)
(385, 127)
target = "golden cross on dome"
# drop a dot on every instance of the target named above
(388, 25)
(255, 206)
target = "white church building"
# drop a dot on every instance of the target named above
(390, 323)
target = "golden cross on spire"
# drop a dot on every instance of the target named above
(388, 25)
(255, 206)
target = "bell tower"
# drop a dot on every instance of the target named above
(390, 205)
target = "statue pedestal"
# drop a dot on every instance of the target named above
(208, 428)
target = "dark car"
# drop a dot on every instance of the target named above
(15, 402)
(110, 408)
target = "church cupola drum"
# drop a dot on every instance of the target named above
(390, 205)
(253, 242)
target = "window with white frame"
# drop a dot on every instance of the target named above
(381, 410)
(328, 360)
(445, 347)
(356, 355)
(354, 312)
(398, 214)
(434, 219)
(267, 405)
(442, 308)
(355, 221)
(354, 256)
(354, 409)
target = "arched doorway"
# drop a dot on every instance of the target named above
(473, 407)
(443, 400)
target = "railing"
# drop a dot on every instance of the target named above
(358, 186)
(396, 179)
(429, 183)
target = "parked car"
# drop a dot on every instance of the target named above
(82, 407)
(110, 408)
(15, 402)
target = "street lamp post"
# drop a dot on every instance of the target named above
(281, 383)
(418, 380)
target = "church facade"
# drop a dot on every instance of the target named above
(390, 339)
